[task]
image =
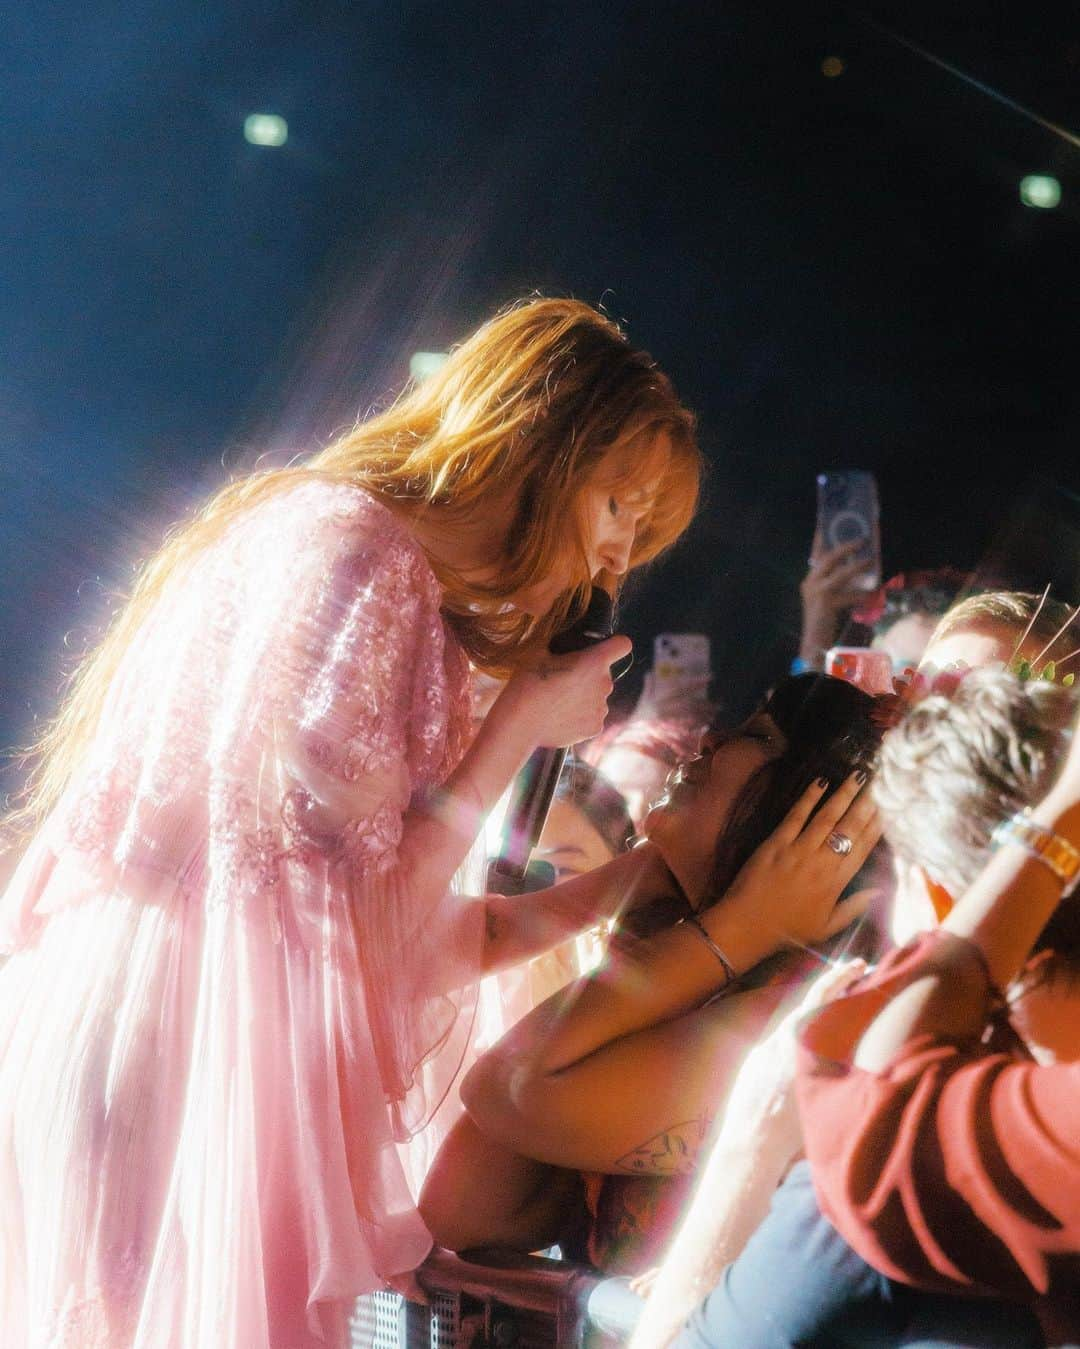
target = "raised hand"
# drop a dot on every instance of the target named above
(829, 591)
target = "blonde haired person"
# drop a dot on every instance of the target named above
(237, 975)
(997, 626)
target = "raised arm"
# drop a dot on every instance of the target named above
(641, 1104)
(997, 920)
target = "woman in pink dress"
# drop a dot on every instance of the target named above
(239, 971)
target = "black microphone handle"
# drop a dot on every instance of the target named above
(526, 814)
(534, 787)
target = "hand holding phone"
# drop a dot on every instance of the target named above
(848, 514)
(830, 590)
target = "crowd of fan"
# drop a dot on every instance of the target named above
(909, 1175)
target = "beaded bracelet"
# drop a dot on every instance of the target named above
(1053, 851)
(697, 926)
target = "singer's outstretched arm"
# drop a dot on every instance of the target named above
(518, 927)
(622, 1071)
(563, 699)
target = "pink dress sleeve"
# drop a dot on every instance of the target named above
(958, 1168)
(236, 1009)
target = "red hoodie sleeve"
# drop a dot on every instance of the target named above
(957, 1168)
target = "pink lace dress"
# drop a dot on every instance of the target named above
(220, 1013)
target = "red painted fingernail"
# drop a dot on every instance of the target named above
(823, 782)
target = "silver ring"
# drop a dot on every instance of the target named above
(839, 843)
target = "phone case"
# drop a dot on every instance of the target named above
(679, 659)
(847, 509)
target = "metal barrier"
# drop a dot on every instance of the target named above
(499, 1300)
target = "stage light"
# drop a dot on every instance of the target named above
(266, 128)
(1040, 190)
(832, 66)
(425, 363)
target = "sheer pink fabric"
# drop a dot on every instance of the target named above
(220, 1014)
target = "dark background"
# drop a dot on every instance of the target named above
(837, 272)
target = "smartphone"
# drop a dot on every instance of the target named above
(847, 509)
(680, 664)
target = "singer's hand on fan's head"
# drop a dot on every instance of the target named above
(563, 699)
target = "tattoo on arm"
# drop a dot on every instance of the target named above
(672, 1152)
(491, 923)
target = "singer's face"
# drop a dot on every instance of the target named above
(609, 511)
(687, 821)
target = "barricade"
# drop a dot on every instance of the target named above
(499, 1300)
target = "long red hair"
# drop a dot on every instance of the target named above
(529, 408)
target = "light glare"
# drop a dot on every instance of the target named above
(425, 363)
(266, 128)
(1040, 190)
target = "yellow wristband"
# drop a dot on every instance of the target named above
(1053, 851)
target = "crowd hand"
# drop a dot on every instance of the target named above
(560, 700)
(789, 890)
(828, 592)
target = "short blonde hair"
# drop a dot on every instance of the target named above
(1011, 611)
(955, 767)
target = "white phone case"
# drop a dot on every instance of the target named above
(680, 661)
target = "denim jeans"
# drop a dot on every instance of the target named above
(798, 1283)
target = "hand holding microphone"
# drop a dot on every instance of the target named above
(562, 699)
(565, 699)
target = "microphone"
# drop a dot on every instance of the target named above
(510, 873)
